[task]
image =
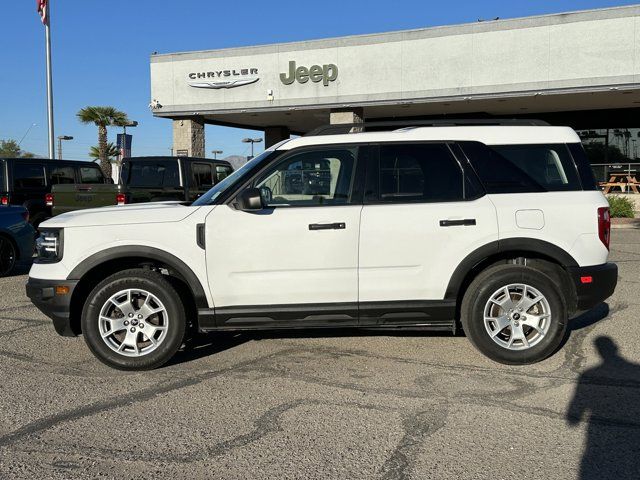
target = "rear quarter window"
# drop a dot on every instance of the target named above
(91, 175)
(523, 168)
(150, 174)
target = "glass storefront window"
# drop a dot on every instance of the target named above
(612, 150)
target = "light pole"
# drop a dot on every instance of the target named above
(216, 153)
(60, 139)
(251, 141)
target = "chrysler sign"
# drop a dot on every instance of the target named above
(224, 78)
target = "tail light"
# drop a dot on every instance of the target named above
(604, 226)
(25, 215)
(121, 199)
(4, 200)
(48, 199)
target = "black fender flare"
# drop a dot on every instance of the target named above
(151, 253)
(517, 245)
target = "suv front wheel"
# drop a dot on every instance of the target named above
(514, 314)
(134, 320)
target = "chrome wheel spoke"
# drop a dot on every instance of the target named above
(131, 340)
(146, 311)
(500, 323)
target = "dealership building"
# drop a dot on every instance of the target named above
(580, 69)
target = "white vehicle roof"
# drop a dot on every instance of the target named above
(489, 135)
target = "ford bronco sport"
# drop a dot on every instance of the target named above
(498, 229)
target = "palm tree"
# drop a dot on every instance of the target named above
(103, 117)
(112, 152)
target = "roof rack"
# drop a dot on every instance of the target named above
(341, 128)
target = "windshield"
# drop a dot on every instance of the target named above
(209, 197)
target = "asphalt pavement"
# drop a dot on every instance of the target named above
(326, 404)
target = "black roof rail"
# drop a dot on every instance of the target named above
(341, 128)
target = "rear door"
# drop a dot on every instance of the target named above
(423, 214)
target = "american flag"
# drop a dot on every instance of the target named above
(43, 10)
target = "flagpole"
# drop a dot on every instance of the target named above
(47, 30)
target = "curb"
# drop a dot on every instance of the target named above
(633, 224)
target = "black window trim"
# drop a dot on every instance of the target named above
(357, 183)
(463, 165)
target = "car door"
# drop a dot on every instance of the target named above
(424, 213)
(295, 262)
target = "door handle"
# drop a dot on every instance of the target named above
(328, 226)
(455, 223)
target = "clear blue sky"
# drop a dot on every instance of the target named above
(101, 52)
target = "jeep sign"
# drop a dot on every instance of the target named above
(315, 73)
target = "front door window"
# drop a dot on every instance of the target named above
(320, 177)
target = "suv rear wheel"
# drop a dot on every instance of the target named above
(514, 314)
(134, 320)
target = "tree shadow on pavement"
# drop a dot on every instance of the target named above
(607, 398)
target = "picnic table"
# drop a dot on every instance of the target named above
(622, 180)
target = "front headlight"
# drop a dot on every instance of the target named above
(49, 246)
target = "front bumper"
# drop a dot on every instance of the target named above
(602, 283)
(42, 294)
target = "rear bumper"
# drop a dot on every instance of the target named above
(57, 307)
(604, 279)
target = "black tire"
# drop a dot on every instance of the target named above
(8, 256)
(477, 297)
(147, 280)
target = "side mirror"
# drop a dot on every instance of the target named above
(250, 199)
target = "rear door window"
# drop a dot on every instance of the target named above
(150, 174)
(419, 172)
(28, 176)
(91, 175)
(62, 175)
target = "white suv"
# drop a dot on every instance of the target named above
(499, 229)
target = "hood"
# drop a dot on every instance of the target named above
(137, 213)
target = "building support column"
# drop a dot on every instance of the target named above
(188, 137)
(347, 115)
(273, 135)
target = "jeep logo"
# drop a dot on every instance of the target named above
(316, 73)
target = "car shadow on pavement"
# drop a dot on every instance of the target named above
(607, 399)
(205, 345)
(590, 317)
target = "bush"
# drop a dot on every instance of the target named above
(620, 207)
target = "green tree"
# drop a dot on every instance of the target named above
(10, 148)
(103, 117)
